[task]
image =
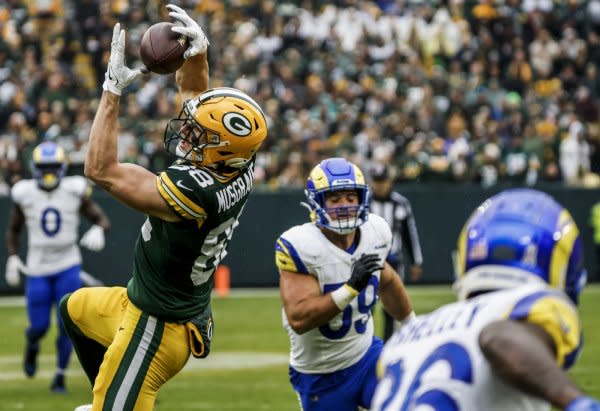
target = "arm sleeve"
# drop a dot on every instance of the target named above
(558, 317)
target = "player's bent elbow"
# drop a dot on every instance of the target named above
(98, 175)
(498, 342)
(299, 327)
(491, 339)
(91, 172)
(299, 324)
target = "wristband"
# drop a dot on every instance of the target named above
(343, 296)
(583, 403)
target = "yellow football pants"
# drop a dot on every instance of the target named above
(142, 354)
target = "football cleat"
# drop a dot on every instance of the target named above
(517, 237)
(58, 383)
(86, 407)
(30, 359)
(336, 174)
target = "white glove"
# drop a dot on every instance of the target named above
(93, 239)
(13, 266)
(118, 75)
(190, 29)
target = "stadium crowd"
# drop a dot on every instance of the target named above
(484, 92)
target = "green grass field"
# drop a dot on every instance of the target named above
(247, 369)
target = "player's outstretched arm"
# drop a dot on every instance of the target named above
(192, 77)
(13, 241)
(129, 183)
(94, 239)
(14, 229)
(94, 213)
(523, 355)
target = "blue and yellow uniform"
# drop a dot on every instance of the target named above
(519, 258)
(440, 352)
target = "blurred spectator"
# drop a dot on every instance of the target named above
(498, 82)
(574, 154)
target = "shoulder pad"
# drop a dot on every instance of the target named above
(297, 248)
(556, 314)
(182, 187)
(380, 227)
(19, 191)
(78, 185)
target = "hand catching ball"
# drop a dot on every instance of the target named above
(161, 49)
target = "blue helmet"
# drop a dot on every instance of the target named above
(48, 165)
(516, 237)
(336, 174)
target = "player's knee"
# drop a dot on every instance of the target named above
(62, 306)
(37, 331)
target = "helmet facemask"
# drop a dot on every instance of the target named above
(341, 220)
(185, 138)
(48, 175)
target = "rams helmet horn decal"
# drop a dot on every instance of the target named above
(516, 237)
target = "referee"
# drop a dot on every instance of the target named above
(396, 210)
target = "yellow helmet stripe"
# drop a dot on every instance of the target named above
(358, 175)
(59, 155)
(319, 178)
(559, 260)
(177, 200)
(37, 154)
(461, 249)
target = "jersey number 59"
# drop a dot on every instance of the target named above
(364, 307)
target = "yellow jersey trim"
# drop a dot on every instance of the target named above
(177, 200)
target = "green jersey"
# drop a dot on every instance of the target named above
(174, 262)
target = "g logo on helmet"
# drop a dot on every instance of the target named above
(237, 124)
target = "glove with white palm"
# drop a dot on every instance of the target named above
(13, 266)
(190, 29)
(118, 75)
(93, 239)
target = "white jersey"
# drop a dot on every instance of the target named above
(52, 219)
(435, 361)
(344, 340)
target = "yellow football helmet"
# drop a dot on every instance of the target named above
(220, 127)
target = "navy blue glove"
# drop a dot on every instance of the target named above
(583, 403)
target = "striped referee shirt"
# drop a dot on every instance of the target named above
(396, 210)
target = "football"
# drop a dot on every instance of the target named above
(161, 49)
